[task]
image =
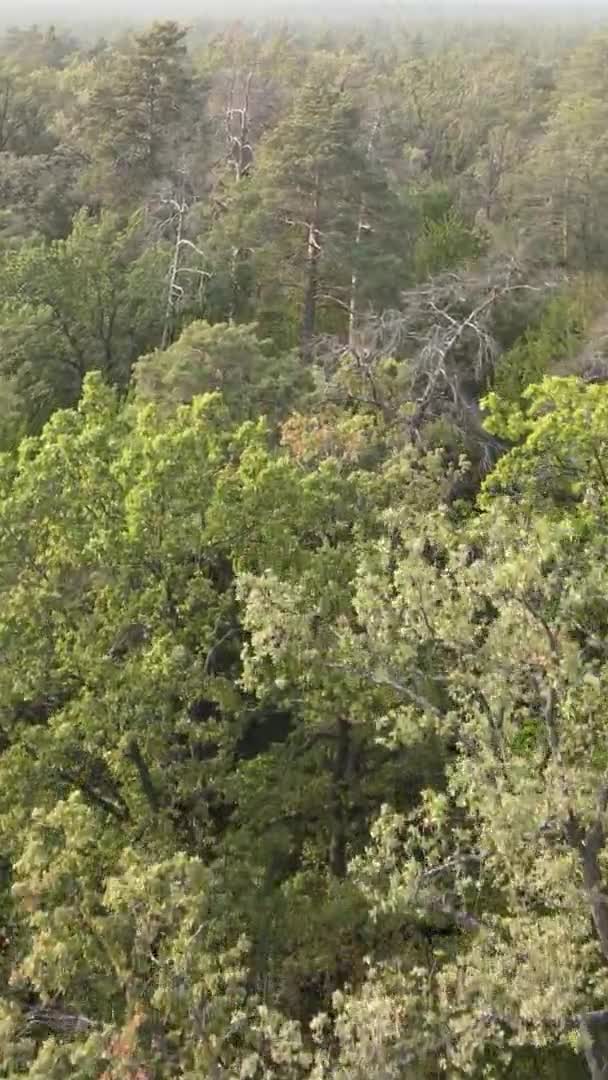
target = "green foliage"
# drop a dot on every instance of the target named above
(133, 733)
(96, 702)
(231, 360)
(558, 336)
(23, 120)
(444, 243)
(142, 111)
(92, 301)
(559, 463)
(302, 712)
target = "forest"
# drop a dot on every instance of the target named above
(304, 550)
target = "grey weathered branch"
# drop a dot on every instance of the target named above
(391, 683)
(58, 1021)
(443, 337)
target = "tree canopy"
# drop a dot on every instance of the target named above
(303, 519)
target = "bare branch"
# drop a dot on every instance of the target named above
(62, 1023)
(390, 683)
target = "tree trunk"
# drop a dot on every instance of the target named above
(595, 1043)
(313, 254)
(590, 844)
(566, 224)
(173, 272)
(594, 886)
(354, 281)
(233, 302)
(240, 151)
(354, 277)
(337, 844)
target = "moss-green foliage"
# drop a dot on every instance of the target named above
(558, 335)
(444, 243)
(445, 239)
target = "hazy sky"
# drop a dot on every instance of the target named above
(147, 8)
(27, 11)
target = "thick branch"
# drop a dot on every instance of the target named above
(55, 1020)
(591, 849)
(392, 684)
(134, 755)
(118, 811)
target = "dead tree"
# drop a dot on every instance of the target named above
(361, 230)
(175, 292)
(311, 287)
(240, 159)
(444, 342)
(240, 150)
